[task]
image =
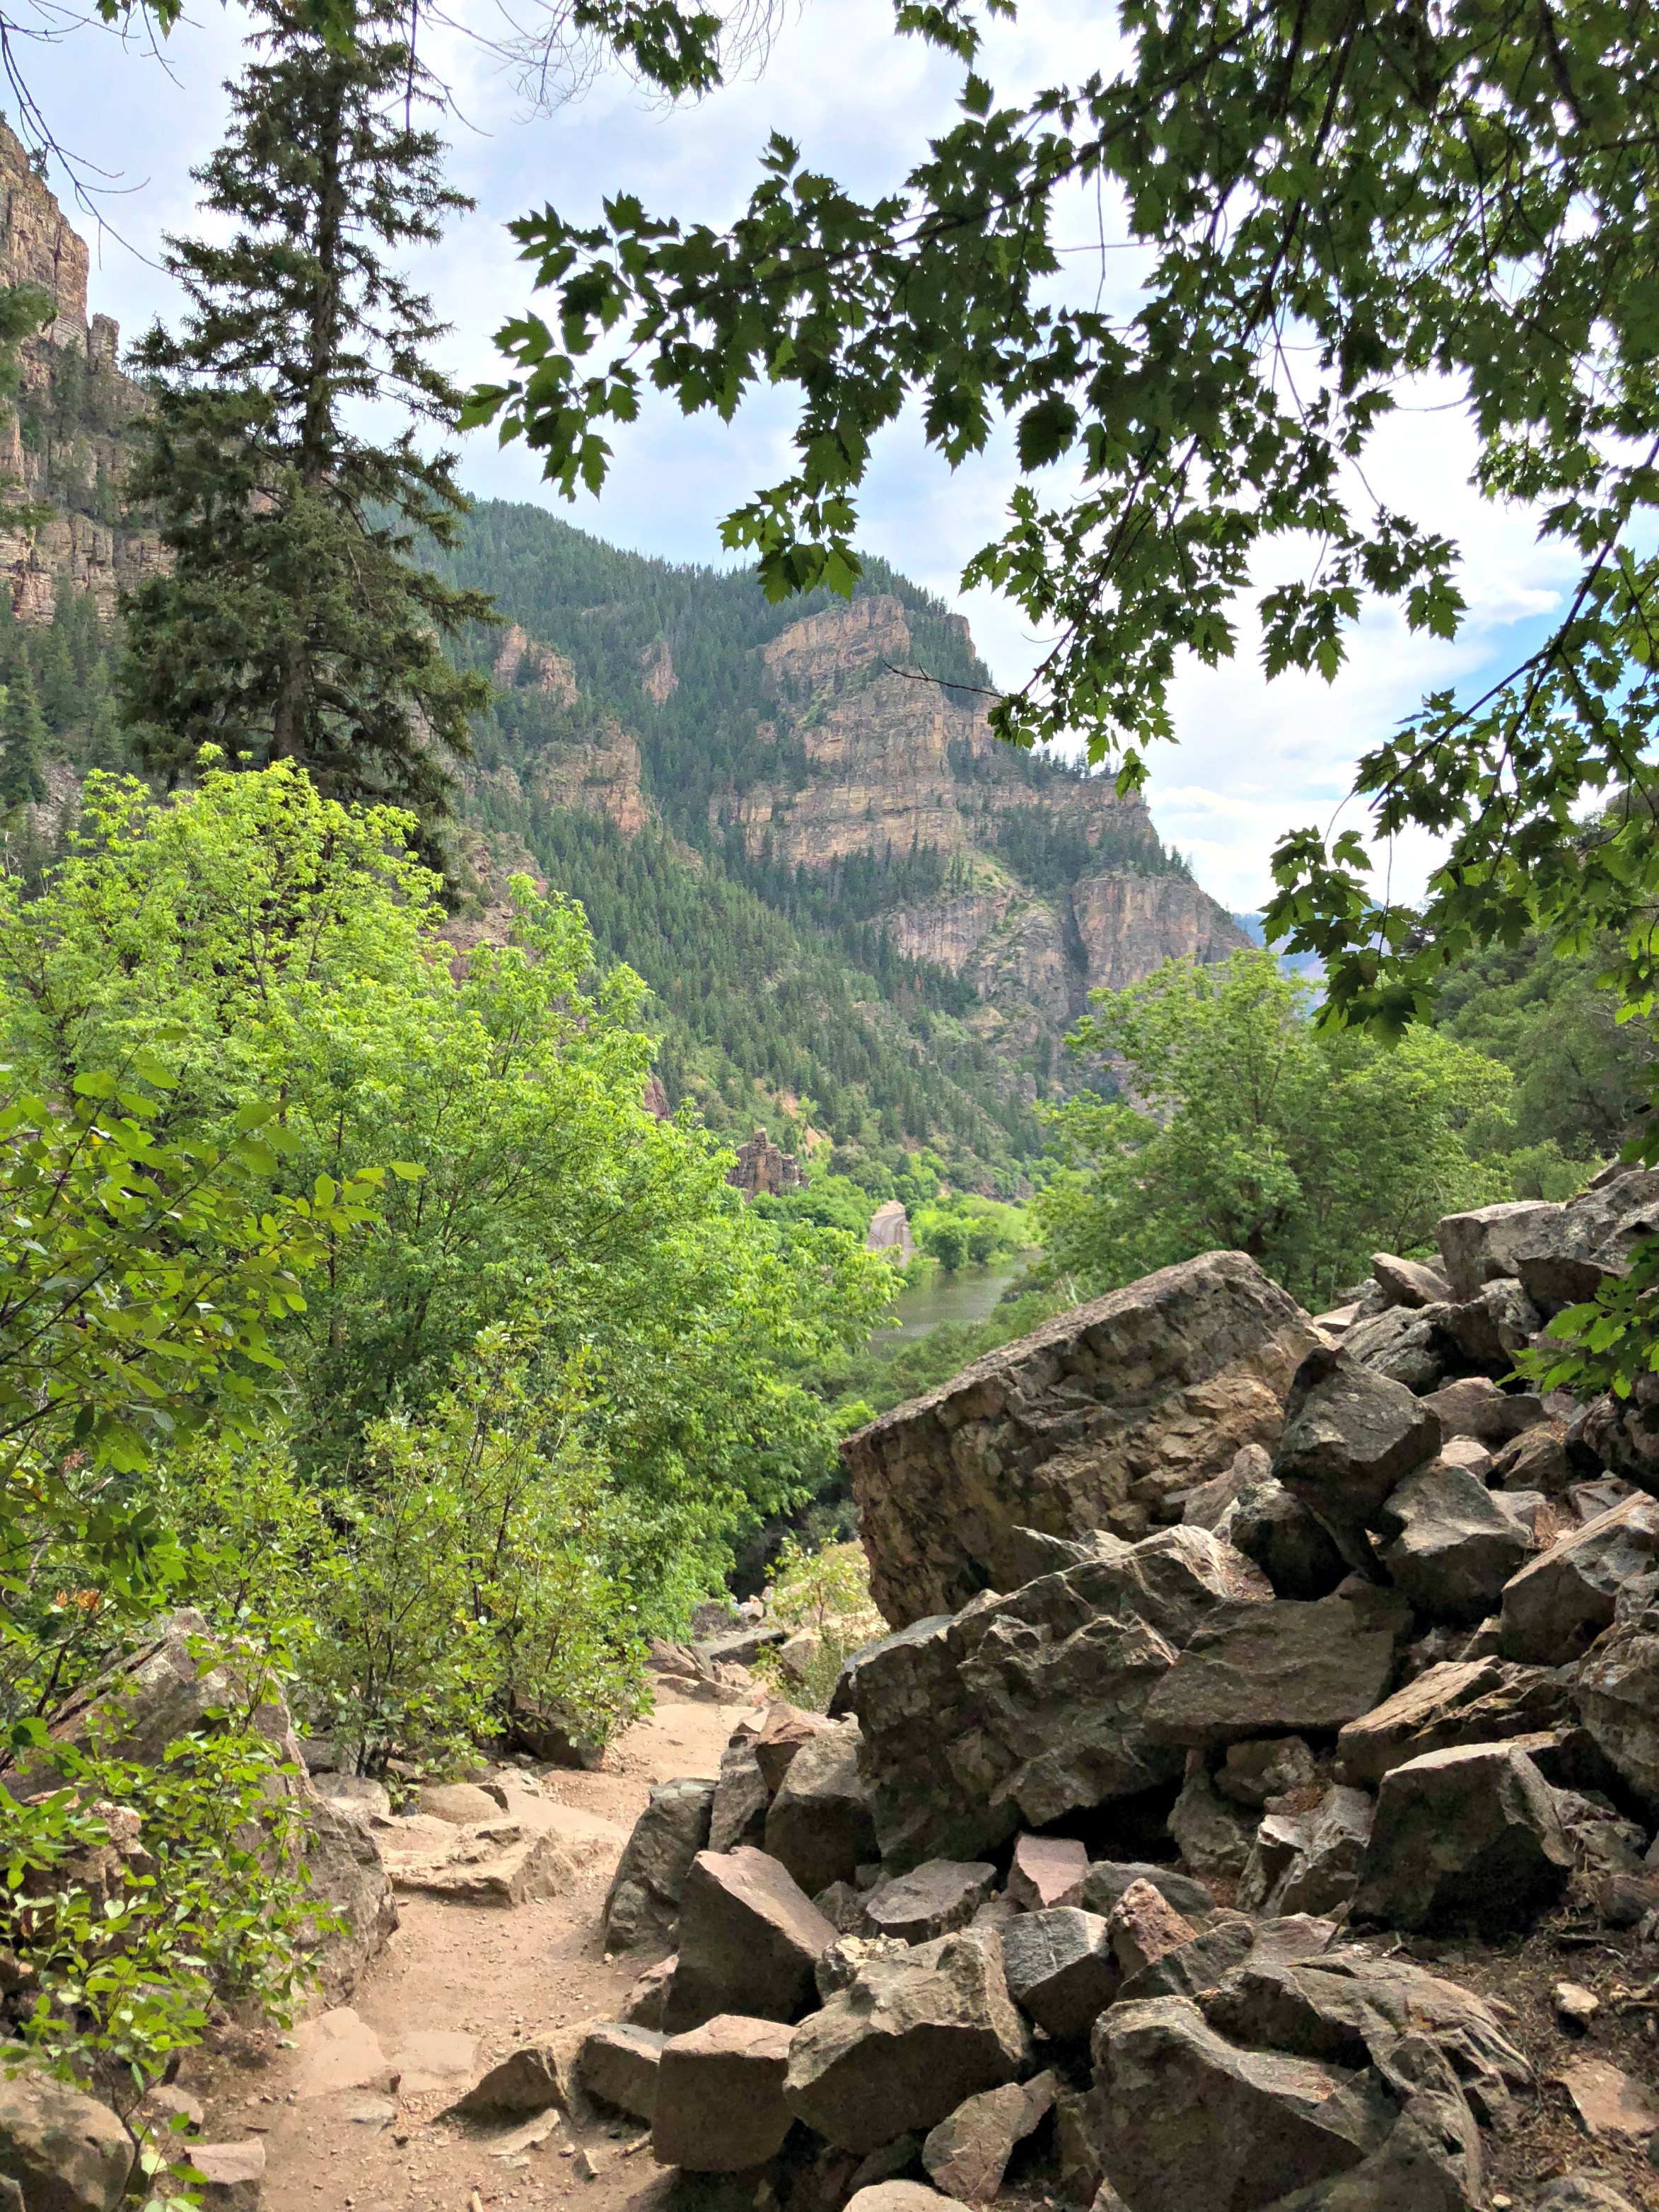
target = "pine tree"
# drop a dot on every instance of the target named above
(293, 623)
(22, 735)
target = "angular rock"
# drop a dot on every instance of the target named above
(619, 2064)
(1308, 1861)
(1409, 1282)
(1556, 1606)
(345, 1871)
(1204, 1507)
(642, 2006)
(66, 2152)
(1080, 2177)
(1467, 1837)
(1108, 1878)
(1024, 1708)
(644, 1900)
(1450, 1547)
(738, 1814)
(1184, 2118)
(1265, 1766)
(906, 2043)
(1498, 1322)
(846, 1960)
(461, 1803)
(1047, 1870)
(1060, 1969)
(821, 1826)
(1618, 1689)
(749, 1940)
(537, 2077)
(358, 1795)
(1350, 1436)
(784, 1731)
(1459, 1701)
(1409, 1348)
(1112, 1407)
(1286, 1665)
(1295, 1552)
(1620, 1435)
(1142, 1926)
(1197, 1965)
(842, 1906)
(1211, 1832)
(1611, 2105)
(1479, 1246)
(720, 2095)
(1031, 1553)
(933, 1900)
(739, 1647)
(967, 2154)
(1592, 1240)
(491, 1862)
(1473, 1406)
(1581, 2192)
(1535, 1460)
(231, 2173)
(899, 2197)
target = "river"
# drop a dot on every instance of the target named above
(967, 1296)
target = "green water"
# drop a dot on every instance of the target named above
(967, 1296)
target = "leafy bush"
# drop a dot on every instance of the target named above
(825, 1595)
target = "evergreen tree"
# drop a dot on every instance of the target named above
(22, 734)
(294, 625)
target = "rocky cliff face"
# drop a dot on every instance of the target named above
(65, 447)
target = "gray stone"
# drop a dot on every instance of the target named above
(821, 1826)
(1024, 1708)
(1467, 1837)
(738, 1814)
(1263, 1767)
(907, 2043)
(66, 2152)
(537, 2077)
(1308, 1861)
(1620, 1435)
(739, 1647)
(784, 1731)
(1079, 2174)
(1473, 1406)
(1350, 1436)
(1060, 1969)
(1204, 1507)
(1459, 1701)
(1535, 1460)
(1196, 1965)
(1212, 1832)
(1183, 2118)
(1295, 1552)
(932, 1899)
(1409, 1282)
(644, 1899)
(749, 1940)
(720, 2104)
(845, 1960)
(1556, 1606)
(1618, 1689)
(1593, 1239)
(461, 1803)
(1089, 1423)
(1143, 1927)
(1479, 1246)
(618, 2066)
(1451, 1548)
(899, 2197)
(1409, 1348)
(355, 1794)
(1499, 1320)
(1581, 2192)
(842, 1906)
(1251, 1668)
(642, 2006)
(1108, 1878)
(1047, 1870)
(1031, 1553)
(233, 2174)
(967, 2154)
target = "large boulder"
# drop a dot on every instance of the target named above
(906, 2043)
(1091, 1422)
(1351, 1438)
(644, 1899)
(719, 2106)
(1480, 1247)
(66, 2152)
(1021, 1709)
(1618, 1689)
(1556, 1607)
(750, 1938)
(1459, 1701)
(1450, 1547)
(820, 1826)
(1466, 1837)
(1252, 1668)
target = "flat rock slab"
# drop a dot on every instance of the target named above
(431, 2059)
(934, 1898)
(1465, 1837)
(906, 2043)
(1130, 1399)
(719, 2106)
(749, 1940)
(1459, 1701)
(233, 2174)
(1612, 2106)
(338, 2050)
(1249, 1669)
(495, 1863)
(898, 2196)
(1046, 1871)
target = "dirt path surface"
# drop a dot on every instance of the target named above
(459, 1988)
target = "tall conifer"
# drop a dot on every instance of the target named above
(22, 738)
(293, 623)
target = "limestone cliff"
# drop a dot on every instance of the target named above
(66, 444)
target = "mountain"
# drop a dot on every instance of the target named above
(796, 823)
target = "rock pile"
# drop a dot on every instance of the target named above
(1231, 1651)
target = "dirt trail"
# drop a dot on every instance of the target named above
(459, 1986)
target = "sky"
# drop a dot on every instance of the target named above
(1253, 760)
